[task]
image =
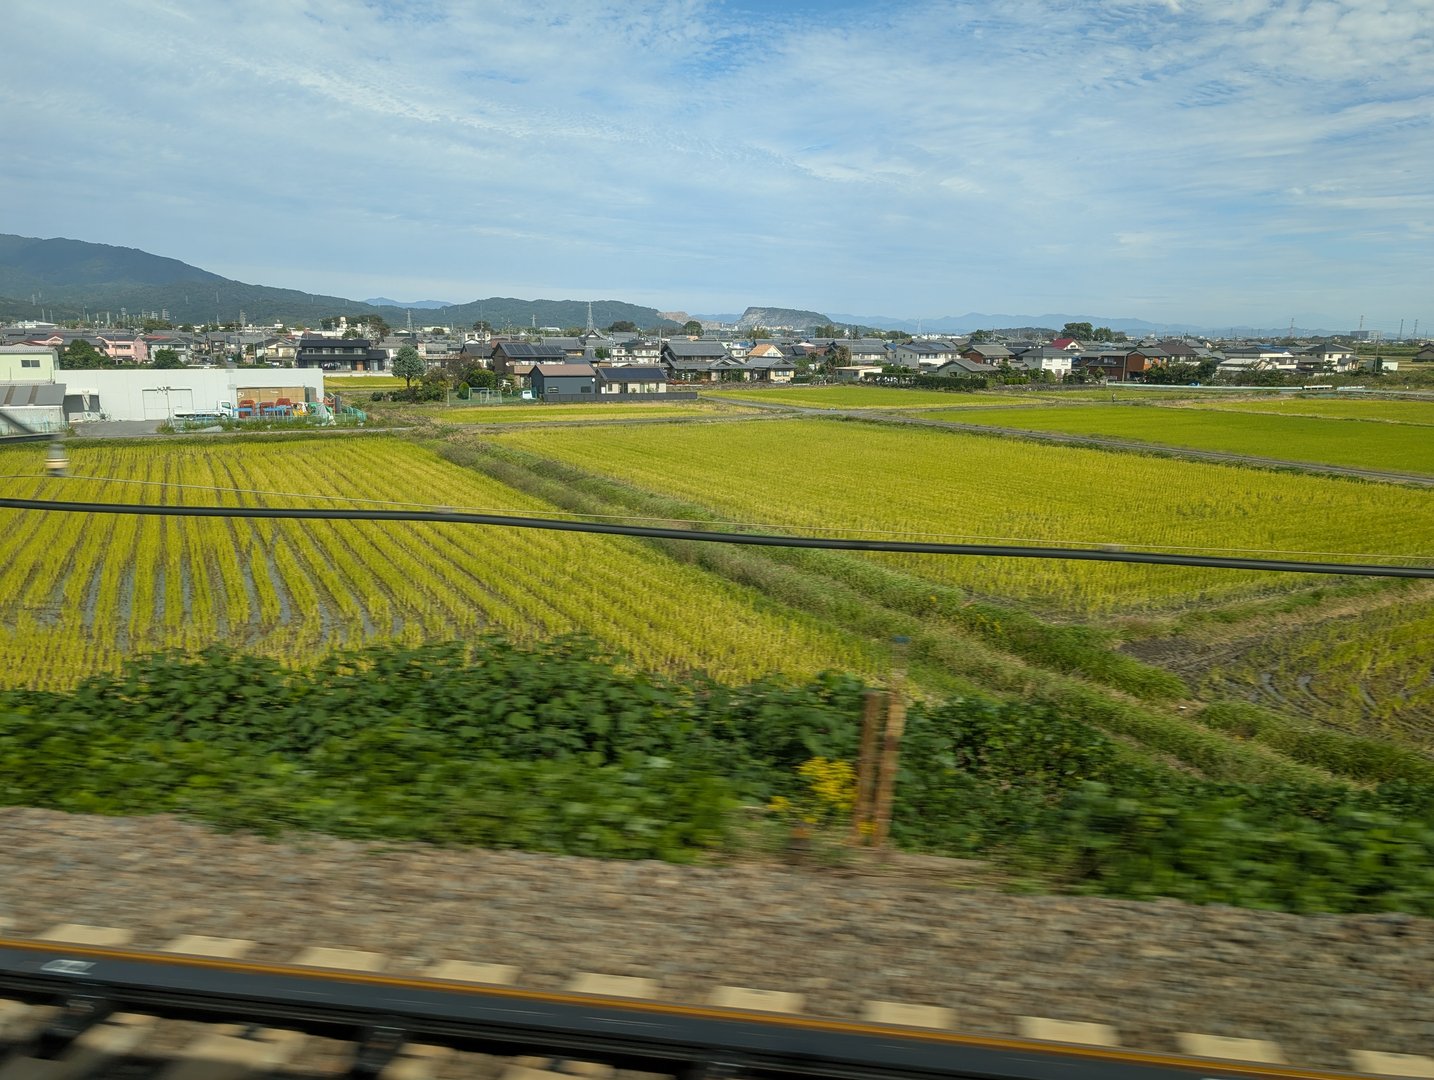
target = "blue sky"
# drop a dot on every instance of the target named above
(1218, 163)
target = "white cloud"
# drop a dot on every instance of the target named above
(885, 156)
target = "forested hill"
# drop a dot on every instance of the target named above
(62, 279)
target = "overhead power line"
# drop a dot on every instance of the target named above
(1007, 551)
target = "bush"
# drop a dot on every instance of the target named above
(560, 747)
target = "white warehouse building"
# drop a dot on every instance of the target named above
(162, 393)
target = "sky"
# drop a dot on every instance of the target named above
(1220, 163)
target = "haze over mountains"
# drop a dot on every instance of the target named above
(59, 279)
(384, 301)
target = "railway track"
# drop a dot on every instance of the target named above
(81, 1001)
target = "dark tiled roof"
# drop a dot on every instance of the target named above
(696, 350)
(516, 350)
(632, 373)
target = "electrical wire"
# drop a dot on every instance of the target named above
(749, 539)
(814, 530)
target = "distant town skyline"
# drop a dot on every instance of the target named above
(1217, 163)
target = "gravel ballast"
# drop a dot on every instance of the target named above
(915, 930)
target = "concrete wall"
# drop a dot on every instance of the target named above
(141, 394)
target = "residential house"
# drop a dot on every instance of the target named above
(339, 354)
(572, 347)
(1044, 358)
(516, 358)
(560, 382)
(764, 350)
(1424, 355)
(868, 350)
(1107, 363)
(436, 350)
(1067, 344)
(1139, 361)
(1180, 352)
(857, 372)
(182, 346)
(1238, 359)
(477, 352)
(124, 346)
(699, 361)
(769, 369)
(924, 354)
(631, 379)
(987, 354)
(1327, 356)
(1379, 363)
(636, 351)
(960, 365)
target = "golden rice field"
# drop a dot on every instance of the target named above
(365, 383)
(861, 397)
(1316, 440)
(1399, 411)
(879, 481)
(78, 592)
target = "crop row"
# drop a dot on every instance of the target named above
(80, 592)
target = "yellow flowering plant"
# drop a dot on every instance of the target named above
(829, 794)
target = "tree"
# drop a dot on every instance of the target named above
(79, 355)
(980, 337)
(483, 326)
(408, 365)
(150, 325)
(622, 326)
(1081, 331)
(378, 327)
(166, 358)
(837, 356)
(692, 328)
(760, 333)
(352, 332)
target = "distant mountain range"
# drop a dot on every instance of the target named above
(61, 279)
(975, 320)
(67, 279)
(383, 301)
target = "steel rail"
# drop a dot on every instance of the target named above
(380, 1013)
(1109, 554)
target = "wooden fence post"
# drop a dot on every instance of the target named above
(863, 820)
